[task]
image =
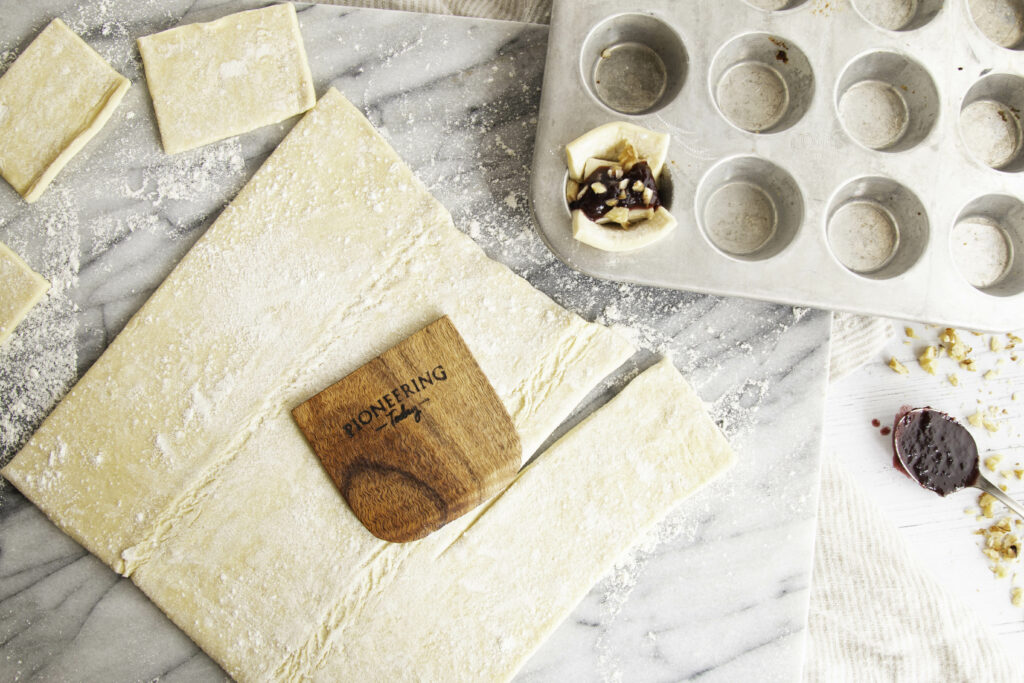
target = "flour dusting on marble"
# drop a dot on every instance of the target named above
(42, 359)
(38, 363)
(479, 167)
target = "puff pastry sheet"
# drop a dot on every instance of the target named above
(176, 461)
(55, 97)
(20, 289)
(226, 77)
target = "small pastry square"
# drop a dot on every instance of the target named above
(21, 288)
(219, 79)
(53, 100)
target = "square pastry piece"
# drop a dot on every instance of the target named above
(227, 77)
(20, 289)
(53, 100)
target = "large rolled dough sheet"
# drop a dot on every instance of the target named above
(175, 459)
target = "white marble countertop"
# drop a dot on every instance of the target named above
(720, 592)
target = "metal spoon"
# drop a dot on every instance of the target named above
(940, 454)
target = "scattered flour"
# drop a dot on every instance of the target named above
(489, 205)
(38, 363)
(41, 361)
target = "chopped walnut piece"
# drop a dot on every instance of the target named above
(995, 343)
(598, 187)
(986, 502)
(638, 186)
(898, 367)
(927, 360)
(992, 462)
(956, 349)
(619, 214)
(991, 374)
(1002, 525)
(628, 156)
(1001, 546)
(1017, 599)
(953, 379)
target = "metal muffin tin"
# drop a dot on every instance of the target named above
(860, 155)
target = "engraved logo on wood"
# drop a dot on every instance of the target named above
(416, 437)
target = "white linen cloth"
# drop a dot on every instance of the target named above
(875, 613)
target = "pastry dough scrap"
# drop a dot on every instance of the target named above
(20, 289)
(227, 77)
(55, 97)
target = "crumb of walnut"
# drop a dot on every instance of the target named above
(927, 360)
(956, 349)
(986, 502)
(992, 461)
(984, 418)
(898, 367)
(909, 331)
(1017, 597)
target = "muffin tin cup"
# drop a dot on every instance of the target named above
(1000, 21)
(990, 121)
(865, 156)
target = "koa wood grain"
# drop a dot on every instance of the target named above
(414, 438)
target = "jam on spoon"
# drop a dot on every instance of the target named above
(940, 454)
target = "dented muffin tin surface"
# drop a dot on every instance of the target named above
(859, 155)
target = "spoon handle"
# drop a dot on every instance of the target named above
(993, 490)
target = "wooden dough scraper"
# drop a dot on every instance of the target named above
(416, 437)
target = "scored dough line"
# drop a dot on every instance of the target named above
(373, 576)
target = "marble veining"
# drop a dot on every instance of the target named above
(718, 591)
